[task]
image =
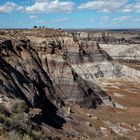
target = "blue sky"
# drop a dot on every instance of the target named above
(70, 13)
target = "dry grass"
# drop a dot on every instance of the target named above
(129, 118)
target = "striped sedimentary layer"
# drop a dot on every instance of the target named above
(43, 78)
(59, 69)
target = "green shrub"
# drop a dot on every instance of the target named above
(3, 110)
(37, 134)
(2, 117)
(19, 106)
(13, 136)
(2, 131)
(12, 124)
(122, 138)
(27, 137)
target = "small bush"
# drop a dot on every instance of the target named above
(37, 134)
(122, 138)
(12, 124)
(19, 106)
(13, 136)
(27, 137)
(2, 131)
(3, 110)
(2, 117)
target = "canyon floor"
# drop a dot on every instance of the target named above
(69, 85)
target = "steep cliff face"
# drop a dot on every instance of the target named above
(22, 76)
(102, 38)
(60, 59)
(54, 70)
(38, 76)
(108, 37)
(114, 47)
(62, 69)
(123, 52)
(22, 72)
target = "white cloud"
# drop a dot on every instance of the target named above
(65, 19)
(112, 5)
(54, 6)
(20, 8)
(104, 5)
(126, 19)
(46, 6)
(40, 6)
(33, 17)
(122, 18)
(59, 20)
(7, 7)
(132, 7)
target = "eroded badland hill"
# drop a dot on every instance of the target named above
(69, 85)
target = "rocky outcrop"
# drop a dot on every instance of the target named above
(60, 69)
(123, 52)
(101, 37)
(59, 75)
(108, 37)
(43, 78)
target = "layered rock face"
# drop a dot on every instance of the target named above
(64, 58)
(51, 70)
(103, 37)
(22, 76)
(64, 69)
(109, 37)
(44, 70)
(122, 46)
